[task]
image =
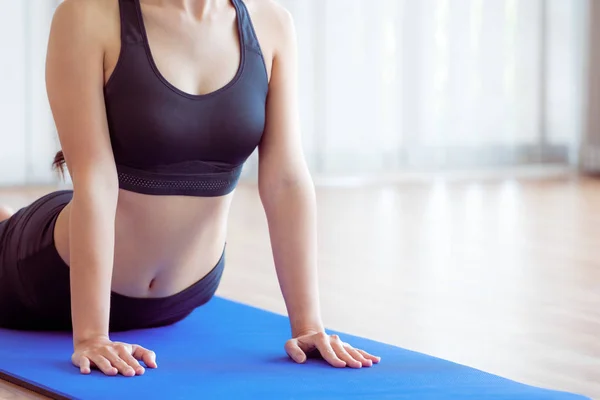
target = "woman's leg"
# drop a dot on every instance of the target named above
(5, 213)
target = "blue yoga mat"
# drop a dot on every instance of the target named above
(226, 350)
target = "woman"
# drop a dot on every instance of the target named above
(158, 104)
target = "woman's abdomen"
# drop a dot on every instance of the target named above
(163, 244)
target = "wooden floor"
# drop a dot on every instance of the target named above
(500, 275)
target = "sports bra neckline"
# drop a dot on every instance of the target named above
(166, 141)
(166, 82)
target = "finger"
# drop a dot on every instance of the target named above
(131, 361)
(103, 365)
(327, 352)
(85, 365)
(145, 355)
(368, 356)
(357, 356)
(341, 352)
(294, 351)
(117, 362)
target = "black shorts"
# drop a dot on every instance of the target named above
(35, 281)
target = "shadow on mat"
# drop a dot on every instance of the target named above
(312, 360)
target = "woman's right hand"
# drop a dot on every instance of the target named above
(112, 358)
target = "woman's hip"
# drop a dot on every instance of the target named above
(46, 294)
(35, 281)
(25, 237)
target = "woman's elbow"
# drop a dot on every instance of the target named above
(272, 186)
(96, 185)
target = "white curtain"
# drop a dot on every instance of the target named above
(28, 137)
(392, 85)
(590, 143)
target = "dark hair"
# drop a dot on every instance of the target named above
(59, 162)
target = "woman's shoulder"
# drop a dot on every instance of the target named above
(270, 10)
(95, 19)
(273, 23)
(88, 10)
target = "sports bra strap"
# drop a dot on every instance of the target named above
(245, 22)
(131, 29)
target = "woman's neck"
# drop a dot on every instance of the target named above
(198, 8)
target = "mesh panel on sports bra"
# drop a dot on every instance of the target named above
(217, 184)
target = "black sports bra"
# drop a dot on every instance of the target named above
(168, 142)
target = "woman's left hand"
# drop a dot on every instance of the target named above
(331, 348)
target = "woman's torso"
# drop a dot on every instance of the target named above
(163, 244)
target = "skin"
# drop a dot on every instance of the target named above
(5, 213)
(156, 246)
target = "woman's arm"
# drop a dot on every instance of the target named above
(75, 81)
(288, 196)
(286, 188)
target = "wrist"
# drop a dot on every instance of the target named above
(306, 327)
(307, 320)
(80, 338)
